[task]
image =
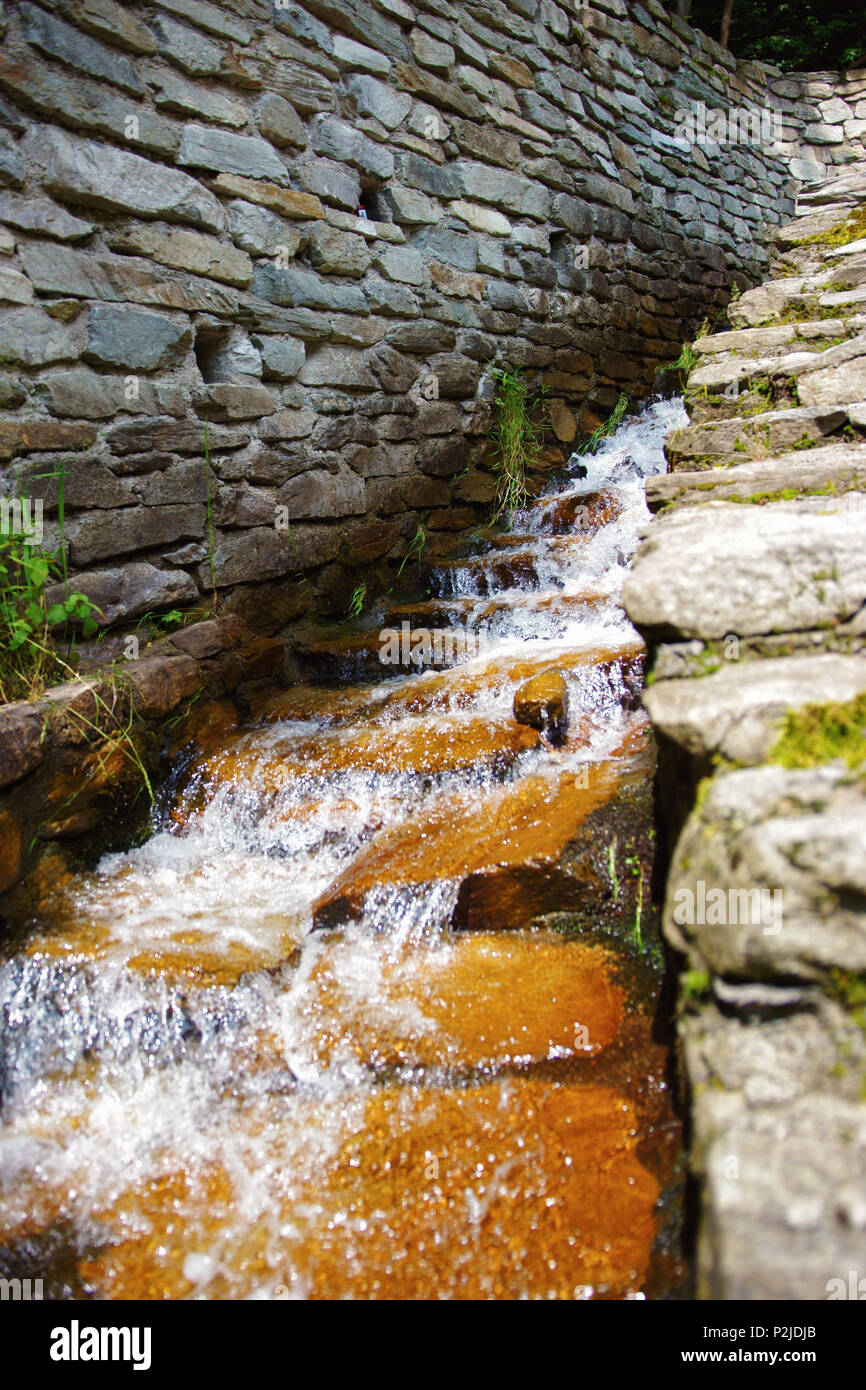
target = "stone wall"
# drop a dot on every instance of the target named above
(194, 311)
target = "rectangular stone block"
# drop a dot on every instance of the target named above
(115, 180)
(202, 147)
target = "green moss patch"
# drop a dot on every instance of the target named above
(852, 229)
(821, 733)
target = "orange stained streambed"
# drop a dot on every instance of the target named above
(372, 1012)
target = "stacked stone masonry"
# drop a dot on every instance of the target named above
(245, 383)
(750, 587)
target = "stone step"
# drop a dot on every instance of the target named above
(789, 567)
(736, 711)
(472, 613)
(426, 744)
(723, 370)
(479, 685)
(507, 850)
(833, 469)
(756, 341)
(738, 439)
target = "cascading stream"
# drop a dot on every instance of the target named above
(203, 1095)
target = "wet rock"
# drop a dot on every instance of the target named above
(20, 741)
(10, 851)
(160, 684)
(542, 703)
(509, 854)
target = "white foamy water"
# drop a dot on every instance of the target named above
(121, 1066)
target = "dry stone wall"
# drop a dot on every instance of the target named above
(244, 382)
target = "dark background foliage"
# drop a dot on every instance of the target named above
(804, 34)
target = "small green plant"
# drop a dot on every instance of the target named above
(634, 866)
(516, 437)
(611, 869)
(174, 618)
(736, 292)
(694, 984)
(356, 602)
(610, 426)
(415, 549)
(684, 364)
(301, 575)
(28, 661)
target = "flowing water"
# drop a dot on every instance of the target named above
(287, 1047)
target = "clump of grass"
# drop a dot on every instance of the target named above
(415, 549)
(821, 733)
(517, 438)
(356, 602)
(610, 426)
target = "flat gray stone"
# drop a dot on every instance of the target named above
(839, 383)
(318, 494)
(377, 99)
(187, 48)
(33, 214)
(30, 336)
(282, 358)
(133, 338)
(59, 40)
(798, 834)
(82, 394)
(115, 180)
(832, 468)
(736, 711)
(340, 141)
(224, 152)
(333, 252)
(279, 122)
(786, 567)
